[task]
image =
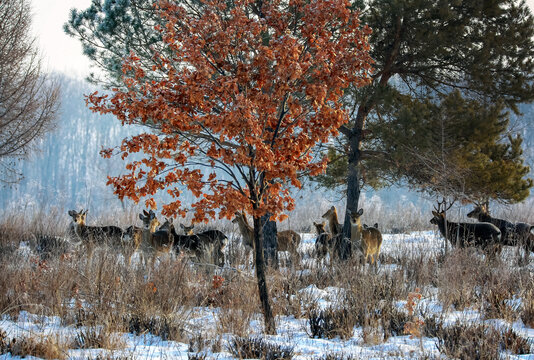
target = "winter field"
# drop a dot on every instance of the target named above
(418, 303)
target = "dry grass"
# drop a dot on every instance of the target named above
(527, 308)
(257, 348)
(46, 347)
(104, 296)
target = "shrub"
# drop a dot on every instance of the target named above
(515, 343)
(257, 348)
(168, 328)
(331, 322)
(336, 356)
(97, 337)
(466, 341)
(527, 308)
(47, 347)
(4, 342)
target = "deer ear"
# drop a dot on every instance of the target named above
(360, 212)
(72, 213)
(141, 217)
(145, 213)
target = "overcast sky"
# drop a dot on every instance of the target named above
(61, 52)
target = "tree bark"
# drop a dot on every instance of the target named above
(353, 191)
(270, 241)
(270, 327)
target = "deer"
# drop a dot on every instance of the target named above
(333, 222)
(154, 242)
(323, 242)
(483, 235)
(246, 231)
(369, 239)
(375, 225)
(214, 239)
(512, 234)
(93, 236)
(288, 240)
(184, 243)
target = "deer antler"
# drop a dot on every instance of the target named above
(441, 204)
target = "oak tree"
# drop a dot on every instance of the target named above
(235, 102)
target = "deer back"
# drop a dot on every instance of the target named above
(288, 240)
(478, 234)
(247, 231)
(371, 240)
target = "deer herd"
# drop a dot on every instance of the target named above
(154, 238)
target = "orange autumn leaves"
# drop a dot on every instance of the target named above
(248, 91)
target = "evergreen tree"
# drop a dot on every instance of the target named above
(423, 48)
(452, 146)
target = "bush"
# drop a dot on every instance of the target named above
(97, 337)
(257, 348)
(466, 341)
(45, 347)
(163, 326)
(527, 308)
(331, 322)
(515, 343)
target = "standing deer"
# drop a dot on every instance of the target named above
(333, 221)
(369, 239)
(185, 243)
(213, 242)
(484, 235)
(512, 234)
(93, 236)
(288, 240)
(154, 242)
(323, 242)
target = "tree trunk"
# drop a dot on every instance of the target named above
(353, 190)
(270, 327)
(270, 241)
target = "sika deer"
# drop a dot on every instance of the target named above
(288, 240)
(154, 242)
(185, 243)
(333, 222)
(484, 235)
(512, 234)
(246, 231)
(93, 236)
(213, 242)
(369, 239)
(323, 242)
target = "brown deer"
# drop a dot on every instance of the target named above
(247, 231)
(154, 242)
(288, 240)
(369, 239)
(512, 234)
(333, 222)
(323, 242)
(213, 242)
(93, 236)
(484, 235)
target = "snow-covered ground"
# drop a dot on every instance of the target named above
(291, 331)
